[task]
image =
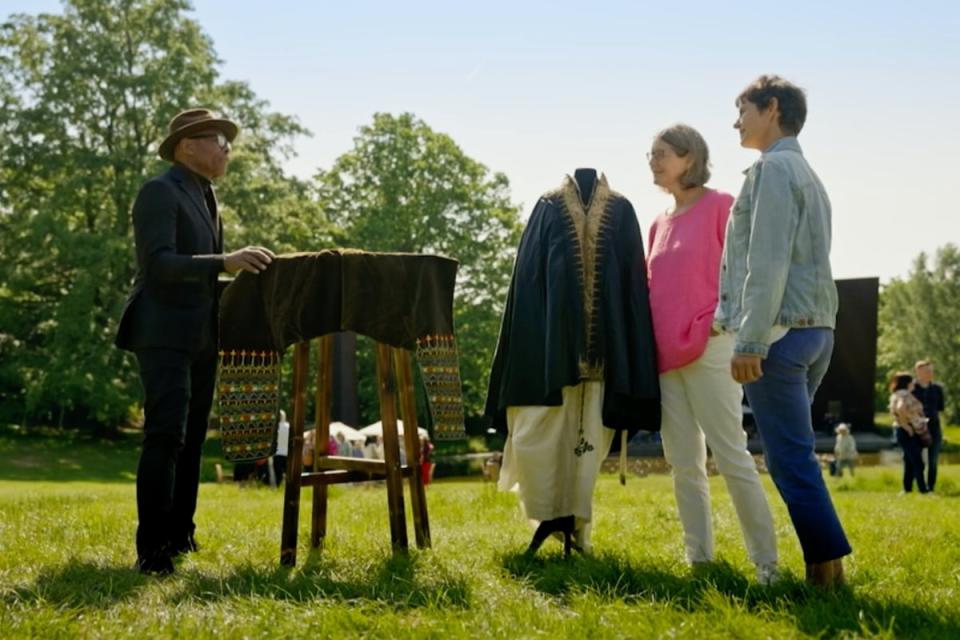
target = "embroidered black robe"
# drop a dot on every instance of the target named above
(577, 309)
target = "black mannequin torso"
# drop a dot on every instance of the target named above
(586, 180)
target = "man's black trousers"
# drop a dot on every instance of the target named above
(178, 389)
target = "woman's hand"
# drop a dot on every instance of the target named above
(745, 368)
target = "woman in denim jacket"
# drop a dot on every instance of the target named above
(778, 296)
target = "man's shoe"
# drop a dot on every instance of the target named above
(182, 544)
(155, 564)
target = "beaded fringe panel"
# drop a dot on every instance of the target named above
(249, 399)
(440, 368)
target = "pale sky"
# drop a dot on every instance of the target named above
(537, 89)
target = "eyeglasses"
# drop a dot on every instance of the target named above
(222, 141)
(659, 154)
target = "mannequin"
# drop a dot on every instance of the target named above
(576, 360)
(586, 180)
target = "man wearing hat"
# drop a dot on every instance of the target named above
(170, 322)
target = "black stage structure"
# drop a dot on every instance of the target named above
(846, 393)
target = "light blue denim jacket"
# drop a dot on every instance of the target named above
(776, 259)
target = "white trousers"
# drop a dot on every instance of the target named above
(553, 455)
(702, 406)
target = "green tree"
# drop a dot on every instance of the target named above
(86, 97)
(404, 187)
(920, 319)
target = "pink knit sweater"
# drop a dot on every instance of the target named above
(683, 271)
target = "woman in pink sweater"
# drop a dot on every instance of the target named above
(701, 402)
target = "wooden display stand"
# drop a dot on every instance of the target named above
(327, 469)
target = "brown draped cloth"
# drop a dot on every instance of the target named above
(400, 299)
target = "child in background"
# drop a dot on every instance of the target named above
(844, 449)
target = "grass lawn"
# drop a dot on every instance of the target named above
(67, 518)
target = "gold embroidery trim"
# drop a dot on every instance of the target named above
(586, 224)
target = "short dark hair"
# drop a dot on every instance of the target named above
(901, 380)
(791, 99)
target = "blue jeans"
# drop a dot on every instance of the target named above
(912, 462)
(781, 400)
(933, 453)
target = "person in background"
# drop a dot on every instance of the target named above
(280, 457)
(930, 395)
(357, 451)
(309, 444)
(343, 447)
(911, 429)
(844, 449)
(370, 449)
(701, 403)
(491, 467)
(426, 459)
(333, 448)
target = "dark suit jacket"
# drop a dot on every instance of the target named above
(174, 299)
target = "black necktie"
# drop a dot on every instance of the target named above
(211, 201)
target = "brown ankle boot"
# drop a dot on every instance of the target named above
(820, 574)
(839, 580)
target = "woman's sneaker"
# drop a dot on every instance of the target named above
(768, 573)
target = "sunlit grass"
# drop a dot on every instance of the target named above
(67, 555)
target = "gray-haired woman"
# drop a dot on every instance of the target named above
(701, 402)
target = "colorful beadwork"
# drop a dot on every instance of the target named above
(249, 399)
(440, 368)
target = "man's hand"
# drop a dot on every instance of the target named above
(745, 368)
(252, 259)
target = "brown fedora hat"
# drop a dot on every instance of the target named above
(194, 121)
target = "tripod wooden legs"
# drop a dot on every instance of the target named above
(411, 437)
(391, 446)
(326, 469)
(291, 498)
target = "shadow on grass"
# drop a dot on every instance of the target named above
(80, 584)
(395, 581)
(72, 456)
(815, 612)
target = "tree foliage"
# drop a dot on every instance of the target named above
(86, 96)
(404, 187)
(920, 319)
